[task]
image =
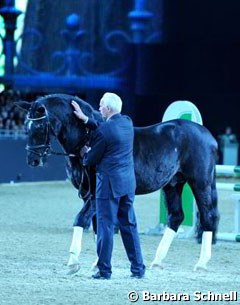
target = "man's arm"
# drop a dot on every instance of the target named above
(91, 123)
(94, 156)
(78, 112)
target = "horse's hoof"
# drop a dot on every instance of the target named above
(199, 267)
(94, 268)
(73, 259)
(156, 266)
(73, 269)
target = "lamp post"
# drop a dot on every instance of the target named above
(139, 19)
(9, 14)
(73, 34)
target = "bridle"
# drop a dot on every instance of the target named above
(46, 150)
(45, 147)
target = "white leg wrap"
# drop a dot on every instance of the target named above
(94, 266)
(206, 249)
(76, 246)
(163, 247)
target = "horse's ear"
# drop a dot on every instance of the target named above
(23, 105)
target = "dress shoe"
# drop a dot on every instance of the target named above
(99, 276)
(137, 276)
(72, 269)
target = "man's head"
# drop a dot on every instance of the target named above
(110, 104)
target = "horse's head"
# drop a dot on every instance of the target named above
(38, 130)
(53, 115)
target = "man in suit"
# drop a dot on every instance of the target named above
(111, 151)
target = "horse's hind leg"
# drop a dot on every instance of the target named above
(94, 266)
(175, 218)
(206, 199)
(199, 228)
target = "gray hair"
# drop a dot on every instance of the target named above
(113, 101)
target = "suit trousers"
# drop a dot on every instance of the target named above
(112, 212)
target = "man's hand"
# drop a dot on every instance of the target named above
(85, 149)
(78, 112)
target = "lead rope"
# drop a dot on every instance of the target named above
(87, 195)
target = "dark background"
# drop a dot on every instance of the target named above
(196, 59)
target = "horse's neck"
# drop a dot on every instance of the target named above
(67, 134)
(69, 139)
(67, 129)
(97, 116)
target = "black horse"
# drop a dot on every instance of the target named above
(166, 155)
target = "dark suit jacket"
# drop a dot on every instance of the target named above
(112, 154)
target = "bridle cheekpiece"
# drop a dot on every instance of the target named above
(46, 145)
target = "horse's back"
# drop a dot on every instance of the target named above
(163, 150)
(185, 136)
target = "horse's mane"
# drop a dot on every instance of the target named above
(52, 99)
(88, 109)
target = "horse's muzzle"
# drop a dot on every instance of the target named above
(35, 162)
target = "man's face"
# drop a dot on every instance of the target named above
(103, 109)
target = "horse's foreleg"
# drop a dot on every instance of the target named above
(82, 221)
(75, 250)
(206, 249)
(163, 248)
